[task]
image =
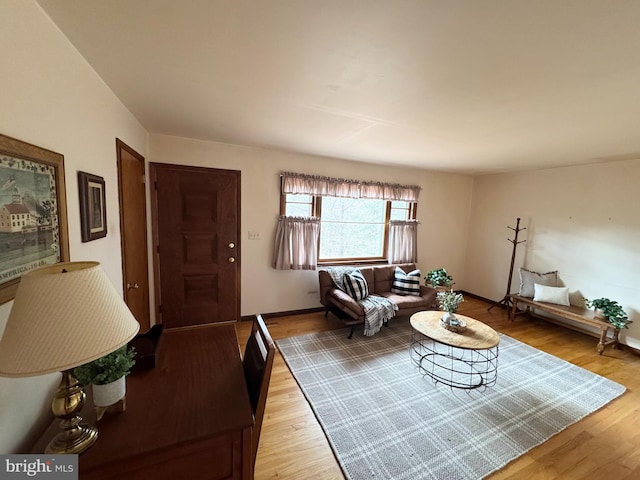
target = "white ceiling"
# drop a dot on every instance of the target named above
(459, 85)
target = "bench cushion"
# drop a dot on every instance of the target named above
(529, 278)
(557, 295)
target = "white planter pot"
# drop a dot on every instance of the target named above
(110, 393)
(448, 317)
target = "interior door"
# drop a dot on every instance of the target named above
(133, 228)
(196, 219)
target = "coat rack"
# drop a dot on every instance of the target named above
(506, 301)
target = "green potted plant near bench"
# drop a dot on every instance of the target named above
(107, 375)
(611, 310)
(439, 279)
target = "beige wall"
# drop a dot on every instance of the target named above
(52, 98)
(443, 212)
(582, 221)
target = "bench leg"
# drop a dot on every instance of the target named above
(603, 338)
(616, 333)
(511, 313)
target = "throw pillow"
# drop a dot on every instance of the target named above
(355, 285)
(528, 278)
(557, 295)
(406, 283)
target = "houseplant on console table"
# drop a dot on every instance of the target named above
(107, 375)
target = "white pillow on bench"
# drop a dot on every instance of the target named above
(557, 295)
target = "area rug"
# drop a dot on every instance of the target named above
(385, 420)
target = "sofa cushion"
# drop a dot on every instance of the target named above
(406, 283)
(355, 285)
(405, 302)
(345, 303)
(384, 275)
(368, 274)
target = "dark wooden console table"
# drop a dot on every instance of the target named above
(189, 417)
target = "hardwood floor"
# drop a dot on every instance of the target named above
(605, 445)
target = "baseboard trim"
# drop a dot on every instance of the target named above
(478, 297)
(266, 316)
(249, 318)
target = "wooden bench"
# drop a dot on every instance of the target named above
(577, 314)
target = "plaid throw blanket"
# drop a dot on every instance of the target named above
(377, 309)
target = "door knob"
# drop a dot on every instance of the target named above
(232, 245)
(132, 286)
(231, 259)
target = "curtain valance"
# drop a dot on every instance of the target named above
(338, 187)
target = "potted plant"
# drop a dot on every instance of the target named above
(438, 279)
(107, 375)
(611, 310)
(449, 302)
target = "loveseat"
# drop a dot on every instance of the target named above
(379, 280)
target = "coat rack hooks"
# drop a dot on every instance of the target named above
(506, 301)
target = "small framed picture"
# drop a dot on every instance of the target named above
(93, 211)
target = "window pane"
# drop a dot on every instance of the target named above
(397, 214)
(352, 228)
(298, 210)
(291, 197)
(400, 210)
(298, 205)
(340, 241)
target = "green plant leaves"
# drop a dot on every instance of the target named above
(106, 369)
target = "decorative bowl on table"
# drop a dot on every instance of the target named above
(452, 323)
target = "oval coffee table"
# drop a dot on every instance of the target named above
(466, 360)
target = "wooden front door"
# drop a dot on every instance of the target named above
(196, 219)
(133, 228)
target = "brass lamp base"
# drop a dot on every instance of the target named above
(76, 440)
(66, 405)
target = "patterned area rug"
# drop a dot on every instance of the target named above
(385, 420)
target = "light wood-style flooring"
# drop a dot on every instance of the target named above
(605, 445)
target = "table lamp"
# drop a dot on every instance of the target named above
(63, 316)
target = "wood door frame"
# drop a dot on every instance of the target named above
(155, 235)
(120, 145)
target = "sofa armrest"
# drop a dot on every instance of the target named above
(429, 293)
(344, 302)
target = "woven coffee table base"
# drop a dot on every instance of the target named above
(467, 359)
(452, 366)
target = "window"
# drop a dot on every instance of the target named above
(298, 205)
(350, 229)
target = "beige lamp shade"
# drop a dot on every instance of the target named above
(63, 316)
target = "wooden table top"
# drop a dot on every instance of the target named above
(477, 335)
(196, 390)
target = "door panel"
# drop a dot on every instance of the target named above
(133, 228)
(197, 222)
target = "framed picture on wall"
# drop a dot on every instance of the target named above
(33, 211)
(93, 212)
